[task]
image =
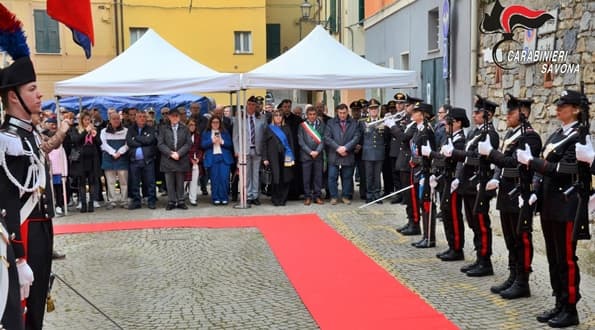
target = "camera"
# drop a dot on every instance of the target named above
(217, 134)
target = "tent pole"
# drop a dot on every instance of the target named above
(241, 123)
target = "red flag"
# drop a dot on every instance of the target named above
(76, 14)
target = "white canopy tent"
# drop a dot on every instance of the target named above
(320, 62)
(151, 66)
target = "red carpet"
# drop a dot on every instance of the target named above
(341, 287)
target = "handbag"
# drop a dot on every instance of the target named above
(75, 155)
(266, 175)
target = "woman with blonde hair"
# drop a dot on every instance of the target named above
(84, 160)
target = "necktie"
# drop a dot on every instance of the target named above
(252, 132)
(343, 126)
(175, 130)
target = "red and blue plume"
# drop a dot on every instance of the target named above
(12, 36)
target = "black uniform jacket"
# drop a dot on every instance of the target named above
(403, 132)
(10, 198)
(555, 167)
(507, 165)
(470, 159)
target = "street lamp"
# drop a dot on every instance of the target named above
(305, 8)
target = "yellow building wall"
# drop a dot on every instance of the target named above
(204, 32)
(287, 13)
(71, 61)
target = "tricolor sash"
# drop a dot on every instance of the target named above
(312, 132)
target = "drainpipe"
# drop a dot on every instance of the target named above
(122, 23)
(116, 27)
(474, 42)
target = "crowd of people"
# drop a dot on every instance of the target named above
(400, 149)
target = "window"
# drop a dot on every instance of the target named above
(47, 36)
(273, 41)
(433, 30)
(404, 61)
(242, 42)
(136, 33)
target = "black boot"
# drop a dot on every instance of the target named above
(518, 289)
(90, 207)
(567, 317)
(468, 267)
(424, 243)
(506, 284)
(483, 268)
(453, 255)
(83, 207)
(412, 229)
(550, 313)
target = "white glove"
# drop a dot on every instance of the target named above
(454, 185)
(389, 122)
(492, 184)
(426, 149)
(532, 199)
(485, 147)
(25, 278)
(521, 201)
(591, 203)
(524, 156)
(584, 152)
(433, 181)
(447, 149)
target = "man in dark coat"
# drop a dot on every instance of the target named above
(340, 138)
(174, 142)
(142, 141)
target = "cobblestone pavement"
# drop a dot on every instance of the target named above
(229, 278)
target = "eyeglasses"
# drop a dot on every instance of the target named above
(440, 112)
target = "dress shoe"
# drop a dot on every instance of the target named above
(506, 284)
(368, 200)
(57, 255)
(403, 227)
(395, 200)
(134, 206)
(170, 206)
(468, 267)
(256, 201)
(346, 201)
(424, 244)
(308, 201)
(83, 208)
(482, 269)
(193, 203)
(91, 206)
(453, 256)
(567, 317)
(518, 289)
(152, 206)
(440, 254)
(379, 202)
(411, 230)
(182, 206)
(319, 201)
(549, 314)
(333, 201)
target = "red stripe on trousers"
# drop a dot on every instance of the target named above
(571, 264)
(414, 200)
(455, 221)
(484, 235)
(427, 206)
(527, 253)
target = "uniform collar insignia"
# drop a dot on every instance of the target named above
(20, 124)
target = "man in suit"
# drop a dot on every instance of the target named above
(340, 137)
(255, 127)
(311, 141)
(174, 142)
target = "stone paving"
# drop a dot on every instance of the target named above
(229, 278)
